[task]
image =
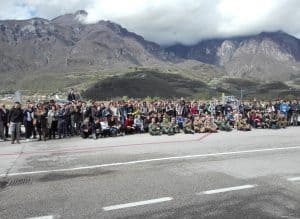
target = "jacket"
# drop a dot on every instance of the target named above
(15, 115)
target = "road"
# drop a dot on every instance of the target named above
(224, 175)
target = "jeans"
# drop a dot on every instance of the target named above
(295, 118)
(15, 128)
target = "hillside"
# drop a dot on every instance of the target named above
(145, 83)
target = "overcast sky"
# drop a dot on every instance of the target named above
(172, 21)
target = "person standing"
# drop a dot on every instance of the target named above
(41, 122)
(52, 121)
(2, 122)
(15, 119)
(295, 112)
(28, 121)
(61, 122)
(5, 119)
(71, 95)
(284, 108)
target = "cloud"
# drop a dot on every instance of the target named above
(14, 9)
(172, 21)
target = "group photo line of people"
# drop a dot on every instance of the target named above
(54, 120)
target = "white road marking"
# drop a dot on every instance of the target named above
(152, 160)
(294, 179)
(228, 189)
(42, 217)
(134, 204)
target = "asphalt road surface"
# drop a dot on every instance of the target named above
(224, 175)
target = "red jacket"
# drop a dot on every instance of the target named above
(129, 122)
(194, 111)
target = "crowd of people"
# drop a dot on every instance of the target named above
(51, 120)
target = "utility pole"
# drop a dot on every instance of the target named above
(242, 95)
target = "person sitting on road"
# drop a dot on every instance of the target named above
(105, 129)
(174, 125)
(198, 125)
(115, 125)
(138, 124)
(129, 125)
(274, 121)
(188, 127)
(96, 128)
(242, 125)
(86, 128)
(282, 121)
(180, 120)
(222, 124)
(266, 120)
(210, 126)
(154, 128)
(165, 125)
(168, 128)
(230, 119)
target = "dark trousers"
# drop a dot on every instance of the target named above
(6, 128)
(53, 129)
(77, 127)
(2, 135)
(61, 128)
(42, 130)
(69, 128)
(28, 128)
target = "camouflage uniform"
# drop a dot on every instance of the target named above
(188, 127)
(210, 126)
(198, 125)
(242, 125)
(154, 129)
(223, 125)
(169, 128)
(282, 121)
(273, 123)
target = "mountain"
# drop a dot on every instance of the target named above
(66, 52)
(271, 56)
(65, 43)
(45, 56)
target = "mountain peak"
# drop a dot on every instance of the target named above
(81, 12)
(71, 19)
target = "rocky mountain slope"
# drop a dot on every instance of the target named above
(65, 52)
(65, 44)
(267, 56)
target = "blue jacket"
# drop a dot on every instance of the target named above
(284, 108)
